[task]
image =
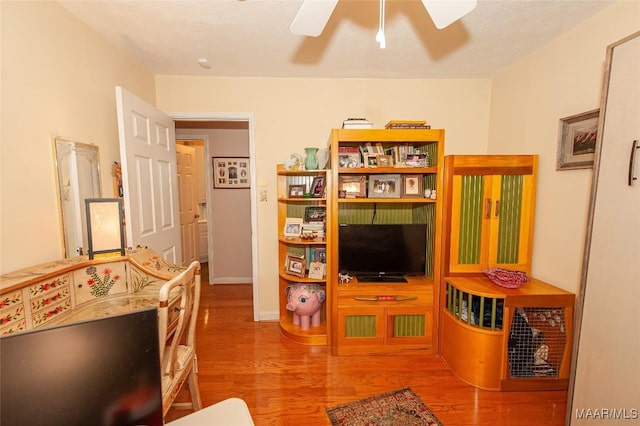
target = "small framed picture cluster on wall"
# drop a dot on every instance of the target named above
(231, 172)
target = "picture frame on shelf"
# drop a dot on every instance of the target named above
(418, 159)
(353, 186)
(319, 255)
(315, 214)
(292, 227)
(317, 187)
(370, 160)
(577, 141)
(349, 160)
(297, 191)
(384, 186)
(231, 172)
(316, 270)
(385, 161)
(412, 186)
(295, 265)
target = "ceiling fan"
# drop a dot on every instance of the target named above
(314, 14)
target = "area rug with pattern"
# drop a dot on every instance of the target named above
(398, 407)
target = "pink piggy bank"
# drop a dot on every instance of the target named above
(305, 301)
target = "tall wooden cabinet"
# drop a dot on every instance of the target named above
(385, 317)
(490, 212)
(605, 373)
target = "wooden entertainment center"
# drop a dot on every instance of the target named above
(478, 212)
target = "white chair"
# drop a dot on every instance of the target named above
(177, 315)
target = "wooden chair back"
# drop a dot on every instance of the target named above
(179, 301)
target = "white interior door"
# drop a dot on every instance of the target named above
(186, 161)
(149, 176)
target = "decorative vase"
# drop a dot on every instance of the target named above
(311, 162)
(323, 158)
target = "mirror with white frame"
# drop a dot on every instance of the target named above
(78, 176)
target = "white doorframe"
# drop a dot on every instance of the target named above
(240, 116)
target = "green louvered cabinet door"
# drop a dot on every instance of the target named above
(489, 212)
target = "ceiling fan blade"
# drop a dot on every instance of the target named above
(445, 12)
(313, 17)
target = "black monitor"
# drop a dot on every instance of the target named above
(99, 372)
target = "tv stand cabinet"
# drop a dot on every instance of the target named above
(385, 317)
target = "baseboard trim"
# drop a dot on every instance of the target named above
(233, 280)
(269, 316)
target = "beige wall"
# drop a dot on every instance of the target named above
(58, 79)
(291, 114)
(562, 79)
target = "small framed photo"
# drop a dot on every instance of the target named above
(349, 160)
(317, 270)
(319, 255)
(417, 160)
(385, 161)
(352, 186)
(297, 191)
(295, 265)
(371, 160)
(315, 214)
(317, 187)
(577, 141)
(384, 186)
(230, 172)
(292, 227)
(412, 186)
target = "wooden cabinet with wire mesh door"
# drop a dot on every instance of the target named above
(385, 240)
(493, 337)
(505, 339)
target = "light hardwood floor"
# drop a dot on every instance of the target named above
(288, 384)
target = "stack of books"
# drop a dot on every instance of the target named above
(407, 124)
(357, 123)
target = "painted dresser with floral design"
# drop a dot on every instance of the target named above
(76, 289)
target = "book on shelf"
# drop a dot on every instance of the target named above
(357, 123)
(348, 149)
(407, 124)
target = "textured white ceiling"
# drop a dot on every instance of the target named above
(251, 38)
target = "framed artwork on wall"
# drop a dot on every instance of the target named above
(231, 172)
(577, 141)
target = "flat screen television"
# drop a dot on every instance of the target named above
(382, 253)
(98, 372)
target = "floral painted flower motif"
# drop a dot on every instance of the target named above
(100, 286)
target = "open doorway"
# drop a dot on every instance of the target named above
(227, 216)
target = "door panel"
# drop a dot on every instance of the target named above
(149, 176)
(186, 158)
